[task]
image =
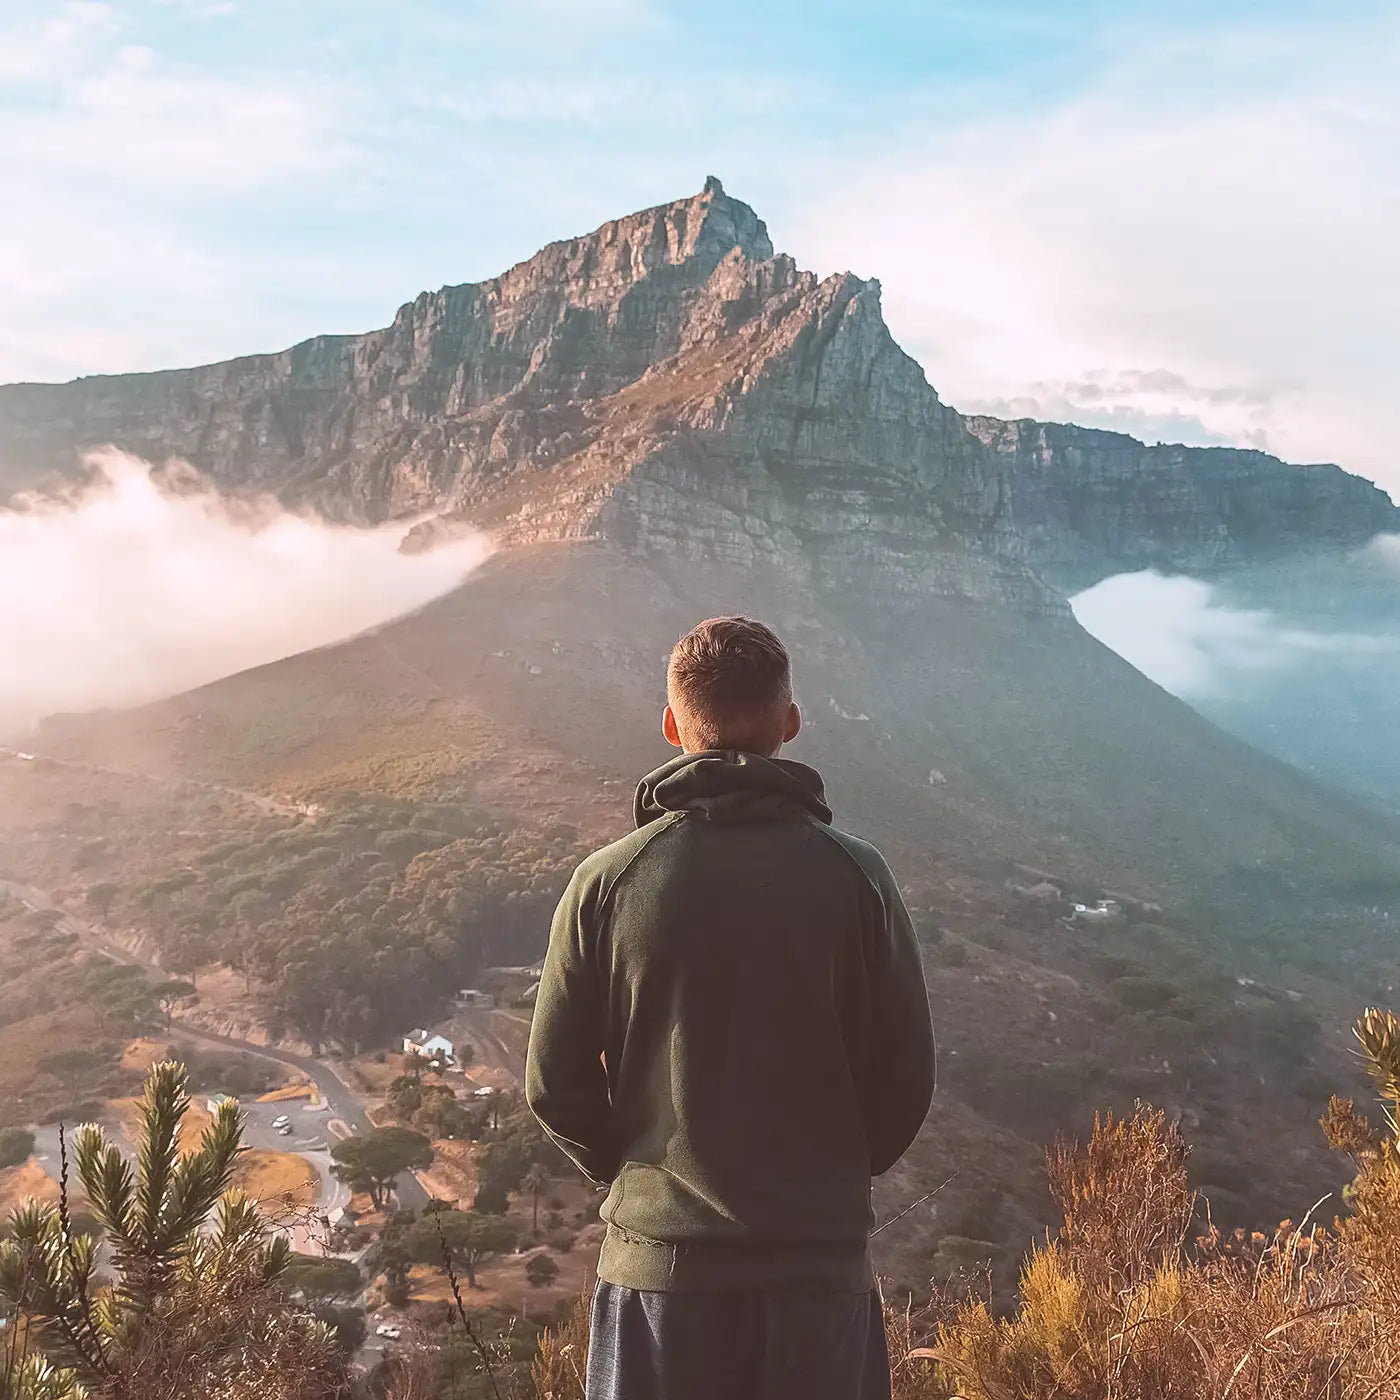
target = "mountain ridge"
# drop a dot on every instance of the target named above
(672, 353)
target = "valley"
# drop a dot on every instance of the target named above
(665, 420)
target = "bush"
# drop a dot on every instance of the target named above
(16, 1146)
(541, 1270)
(491, 1199)
(1119, 1304)
(1144, 993)
(950, 952)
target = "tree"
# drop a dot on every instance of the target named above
(78, 1066)
(370, 1163)
(102, 895)
(470, 1239)
(404, 1096)
(540, 1270)
(197, 1276)
(323, 1276)
(16, 1146)
(168, 995)
(491, 1198)
(536, 1181)
(118, 993)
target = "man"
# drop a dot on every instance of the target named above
(732, 1032)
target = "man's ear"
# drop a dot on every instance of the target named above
(669, 729)
(793, 727)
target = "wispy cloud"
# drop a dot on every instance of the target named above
(1221, 205)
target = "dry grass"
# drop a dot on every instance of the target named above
(287, 1093)
(143, 1052)
(281, 1177)
(1118, 1307)
(558, 1371)
(19, 1183)
(452, 1176)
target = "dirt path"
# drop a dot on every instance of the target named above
(267, 805)
(500, 1039)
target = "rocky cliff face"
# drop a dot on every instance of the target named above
(1089, 503)
(668, 383)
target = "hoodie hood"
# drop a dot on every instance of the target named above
(726, 785)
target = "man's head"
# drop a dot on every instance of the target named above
(729, 686)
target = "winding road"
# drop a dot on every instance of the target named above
(346, 1116)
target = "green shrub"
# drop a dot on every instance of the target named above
(1144, 993)
(16, 1146)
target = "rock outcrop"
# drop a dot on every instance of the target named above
(1089, 503)
(668, 383)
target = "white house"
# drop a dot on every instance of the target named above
(429, 1044)
(1100, 909)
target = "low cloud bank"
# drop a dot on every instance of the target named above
(148, 582)
(1181, 633)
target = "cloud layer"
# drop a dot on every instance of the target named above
(1181, 633)
(147, 583)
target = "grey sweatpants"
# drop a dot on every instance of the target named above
(736, 1346)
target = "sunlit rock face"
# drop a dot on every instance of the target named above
(669, 384)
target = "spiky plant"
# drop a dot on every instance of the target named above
(32, 1377)
(192, 1301)
(1378, 1033)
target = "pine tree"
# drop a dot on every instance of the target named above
(195, 1306)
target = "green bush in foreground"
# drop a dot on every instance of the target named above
(197, 1306)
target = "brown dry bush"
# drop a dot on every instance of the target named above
(557, 1372)
(1118, 1306)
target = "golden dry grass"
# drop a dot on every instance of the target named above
(452, 1177)
(19, 1183)
(287, 1093)
(283, 1177)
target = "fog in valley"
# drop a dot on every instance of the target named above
(1301, 659)
(146, 582)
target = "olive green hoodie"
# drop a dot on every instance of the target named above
(732, 1030)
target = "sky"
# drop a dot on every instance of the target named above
(1179, 220)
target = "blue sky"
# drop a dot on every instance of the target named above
(1176, 219)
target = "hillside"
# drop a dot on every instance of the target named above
(663, 421)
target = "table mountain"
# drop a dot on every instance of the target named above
(669, 383)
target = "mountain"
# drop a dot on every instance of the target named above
(671, 358)
(661, 421)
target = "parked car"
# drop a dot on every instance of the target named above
(282, 1120)
(285, 1130)
(387, 1329)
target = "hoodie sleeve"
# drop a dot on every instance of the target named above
(903, 1059)
(565, 1083)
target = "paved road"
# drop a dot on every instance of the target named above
(345, 1116)
(343, 1105)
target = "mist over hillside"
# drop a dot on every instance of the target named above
(1302, 659)
(141, 582)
